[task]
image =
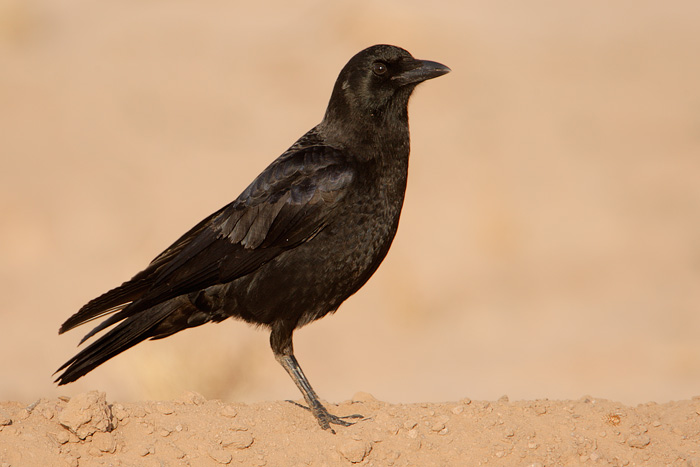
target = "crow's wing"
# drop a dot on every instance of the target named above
(286, 205)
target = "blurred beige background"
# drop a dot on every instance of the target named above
(550, 240)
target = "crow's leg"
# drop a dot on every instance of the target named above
(281, 343)
(324, 417)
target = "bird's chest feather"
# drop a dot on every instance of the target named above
(359, 238)
(314, 278)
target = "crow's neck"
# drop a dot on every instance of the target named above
(381, 134)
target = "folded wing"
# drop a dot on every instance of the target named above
(286, 205)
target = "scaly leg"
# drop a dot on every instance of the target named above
(281, 343)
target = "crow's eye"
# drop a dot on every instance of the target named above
(379, 68)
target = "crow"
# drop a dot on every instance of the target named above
(306, 234)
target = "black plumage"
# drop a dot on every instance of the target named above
(306, 234)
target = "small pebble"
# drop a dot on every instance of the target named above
(62, 437)
(119, 411)
(229, 411)
(47, 412)
(194, 398)
(639, 442)
(353, 450)
(30, 408)
(220, 456)
(437, 426)
(5, 418)
(237, 440)
(138, 412)
(104, 442)
(439, 423)
(458, 410)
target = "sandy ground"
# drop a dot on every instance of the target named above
(549, 246)
(88, 430)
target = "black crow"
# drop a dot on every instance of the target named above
(305, 235)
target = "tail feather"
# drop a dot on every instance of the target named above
(127, 334)
(105, 324)
(110, 302)
(132, 290)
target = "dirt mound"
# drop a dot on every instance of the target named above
(87, 430)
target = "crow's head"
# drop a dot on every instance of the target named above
(378, 82)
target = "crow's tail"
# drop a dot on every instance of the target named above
(128, 333)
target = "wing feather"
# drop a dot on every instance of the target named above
(287, 204)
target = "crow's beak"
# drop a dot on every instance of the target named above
(420, 71)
